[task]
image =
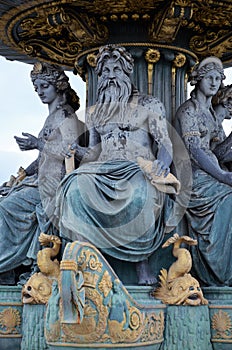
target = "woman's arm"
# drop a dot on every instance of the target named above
(205, 159)
(223, 150)
(32, 168)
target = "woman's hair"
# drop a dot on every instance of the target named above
(55, 76)
(223, 96)
(206, 65)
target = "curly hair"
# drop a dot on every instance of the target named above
(55, 76)
(199, 73)
(118, 53)
(224, 97)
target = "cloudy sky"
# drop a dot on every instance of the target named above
(22, 111)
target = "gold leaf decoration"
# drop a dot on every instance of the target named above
(9, 320)
(221, 323)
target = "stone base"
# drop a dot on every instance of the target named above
(184, 325)
(187, 328)
(11, 309)
(220, 311)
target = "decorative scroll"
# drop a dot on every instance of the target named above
(59, 31)
(110, 315)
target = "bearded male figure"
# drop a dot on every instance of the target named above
(109, 201)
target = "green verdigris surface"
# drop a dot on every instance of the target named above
(187, 328)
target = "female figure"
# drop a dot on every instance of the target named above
(209, 210)
(119, 316)
(27, 208)
(222, 104)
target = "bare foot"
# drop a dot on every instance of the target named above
(144, 274)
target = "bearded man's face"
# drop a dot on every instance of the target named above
(113, 92)
(114, 84)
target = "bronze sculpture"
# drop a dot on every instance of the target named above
(27, 207)
(208, 212)
(109, 201)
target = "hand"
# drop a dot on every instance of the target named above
(159, 168)
(72, 150)
(28, 143)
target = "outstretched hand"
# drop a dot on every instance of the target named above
(28, 142)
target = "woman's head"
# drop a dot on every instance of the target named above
(224, 98)
(56, 77)
(205, 66)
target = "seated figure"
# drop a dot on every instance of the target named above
(27, 203)
(109, 201)
(209, 209)
(222, 104)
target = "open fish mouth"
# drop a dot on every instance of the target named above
(27, 298)
(193, 299)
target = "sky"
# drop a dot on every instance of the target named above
(22, 111)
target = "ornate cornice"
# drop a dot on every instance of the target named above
(60, 30)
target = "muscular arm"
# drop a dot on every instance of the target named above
(90, 153)
(93, 151)
(159, 132)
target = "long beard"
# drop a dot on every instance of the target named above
(112, 100)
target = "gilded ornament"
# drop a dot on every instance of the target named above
(221, 323)
(38, 288)
(91, 59)
(9, 320)
(213, 17)
(57, 34)
(46, 261)
(105, 285)
(124, 17)
(179, 60)
(114, 18)
(152, 56)
(103, 18)
(211, 41)
(146, 17)
(183, 3)
(136, 318)
(156, 326)
(135, 17)
(94, 322)
(89, 259)
(37, 69)
(90, 279)
(177, 286)
(68, 265)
